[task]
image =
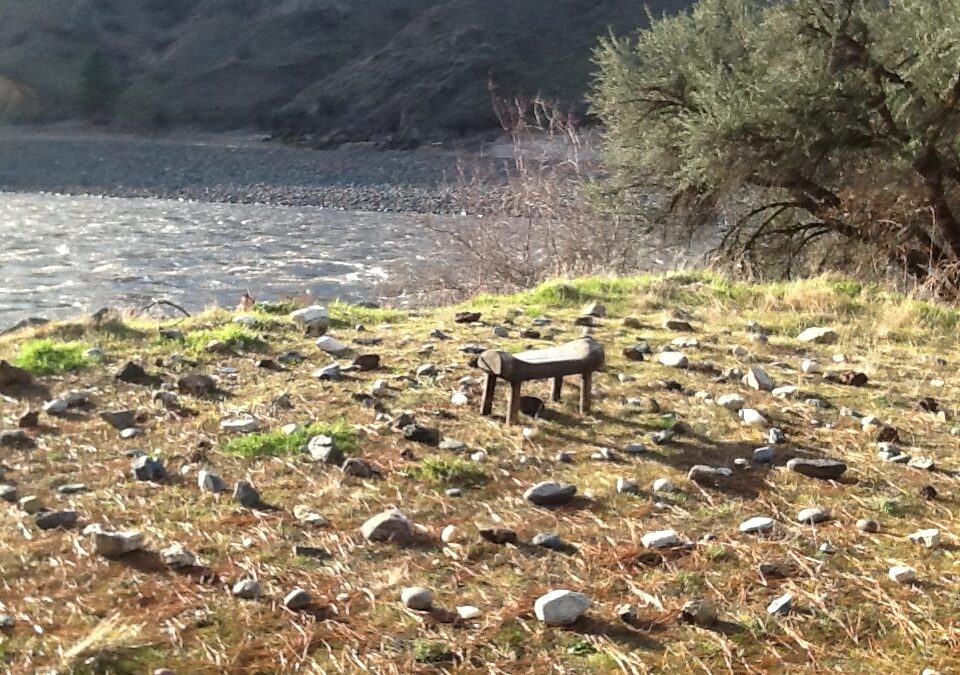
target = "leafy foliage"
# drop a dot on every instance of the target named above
(277, 443)
(792, 124)
(49, 357)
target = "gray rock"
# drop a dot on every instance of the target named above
(72, 488)
(210, 482)
(120, 419)
(635, 449)
(561, 607)
(389, 525)
(452, 445)
(627, 486)
(594, 309)
(322, 449)
(6, 621)
(420, 599)
(549, 540)
(763, 455)
(51, 520)
(707, 475)
(550, 493)
(146, 468)
(776, 436)
(331, 372)
(197, 384)
(699, 612)
(757, 378)
(297, 599)
(824, 469)
(820, 336)
(660, 539)
(673, 359)
(247, 589)
(359, 468)
(8, 493)
(868, 526)
(17, 439)
(178, 557)
(427, 370)
(116, 544)
(757, 524)
(246, 495)
(813, 515)
(781, 605)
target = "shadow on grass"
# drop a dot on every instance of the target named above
(621, 633)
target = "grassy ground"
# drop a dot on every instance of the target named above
(80, 613)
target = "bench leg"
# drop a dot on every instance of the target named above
(557, 388)
(513, 404)
(586, 385)
(489, 389)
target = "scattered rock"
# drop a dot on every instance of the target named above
(813, 515)
(902, 574)
(322, 449)
(331, 345)
(763, 455)
(532, 406)
(732, 402)
(116, 544)
(660, 539)
(247, 589)
(389, 525)
(331, 372)
(627, 486)
(678, 325)
(549, 540)
(499, 535)
(820, 336)
(752, 417)
(131, 373)
(549, 493)
(673, 359)
(868, 526)
(854, 379)
(663, 485)
(197, 385)
(468, 612)
(757, 378)
(51, 520)
(246, 495)
(16, 439)
(427, 370)
(782, 605)
(561, 607)
(359, 468)
(809, 366)
(421, 434)
(147, 468)
(314, 319)
(210, 482)
(297, 599)
(8, 493)
(12, 376)
(366, 362)
(707, 475)
(757, 524)
(699, 612)
(929, 538)
(467, 317)
(178, 557)
(420, 599)
(72, 489)
(824, 469)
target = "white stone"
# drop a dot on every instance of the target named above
(660, 539)
(450, 534)
(57, 406)
(786, 392)
(757, 524)
(459, 398)
(331, 345)
(902, 574)
(820, 336)
(308, 316)
(420, 599)
(752, 417)
(673, 359)
(380, 389)
(813, 515)
(467, 612)
(561, 607)
(781, 605)
(809, 366)
(732, 402)
(663, 485)
(391, 524)
(177, 556)
(929, 538)
(248, 589)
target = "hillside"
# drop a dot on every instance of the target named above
(341, 68)
(700, 542)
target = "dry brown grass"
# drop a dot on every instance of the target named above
(82, 613)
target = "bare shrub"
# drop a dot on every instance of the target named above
(541, 221)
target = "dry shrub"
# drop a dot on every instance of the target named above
(542, 221)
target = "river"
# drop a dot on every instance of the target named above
(62, 255)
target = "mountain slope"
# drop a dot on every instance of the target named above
(368, 68)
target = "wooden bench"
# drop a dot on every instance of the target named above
(581, 357)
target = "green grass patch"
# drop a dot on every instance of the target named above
(277, 307)
(49, 357)
(345, 315)
(233, 335)
(449, 470)
(276, 443)
(431, 651)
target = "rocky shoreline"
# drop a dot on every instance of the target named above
(235, 169)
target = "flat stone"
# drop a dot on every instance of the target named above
(549, 540)
(468, 612)
(550, 493)
(329, 373)
(389, 525)
(247, 589)
(663, 485)
(116, 544)
(17, 439)
(673, 359)
(297, 599)
(929, 538)
(72, 488)
(420, 599)
(757, 524)
(561, 607)
(813, 515)
(902, 574)
(660, 539)
(824, 469)
(8, 493)
(819, 335)
(131, 373)
(732, 402)
(245, 425)
(421, 434)
(331, 345)
(635, 449)
(359, 468)
(781, 605)
(707, 475)
(178, 557)
(51, 520)
(763, 455)
(627, 486)
(752, 417)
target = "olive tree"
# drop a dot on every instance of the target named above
(833, 121)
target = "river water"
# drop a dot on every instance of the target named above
(63, 255)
